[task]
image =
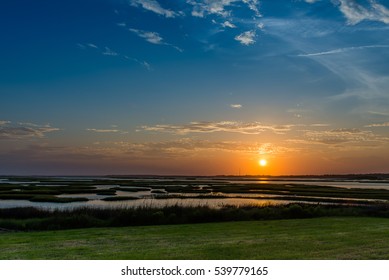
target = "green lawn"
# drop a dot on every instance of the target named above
(319, 238)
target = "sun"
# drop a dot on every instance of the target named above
(262, 162)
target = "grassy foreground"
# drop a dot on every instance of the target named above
(317, 238)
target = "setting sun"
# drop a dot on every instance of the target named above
(262, 162)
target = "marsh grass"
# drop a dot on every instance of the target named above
(341, 202)
(28, 218)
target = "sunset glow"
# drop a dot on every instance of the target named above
(194, 87)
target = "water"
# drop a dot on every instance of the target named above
(339, 184)
(147, 198)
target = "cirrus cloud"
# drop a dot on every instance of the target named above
(9, 130)
(386, 124)
(154, 6)
(153, 38)
(343, 135)
(224, 126)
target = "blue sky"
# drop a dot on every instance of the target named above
(194, 87)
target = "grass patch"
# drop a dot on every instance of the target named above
(319, 238)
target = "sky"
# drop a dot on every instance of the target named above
(194, 87)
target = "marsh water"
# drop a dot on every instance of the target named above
(157, 192)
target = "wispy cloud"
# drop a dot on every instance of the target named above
(92, 46)
(385, 124)
(106, 51)
(114, 129)
(186, 147)
(153, 38)
(146, 65)
(272, 149)
(102, 130)
(9, 130)
(340, 136)
(378, 113)
(109, 52)
(246, 38)
(355, 69)
(226, 126)
(143, 63)
(355, 12)
(343, 50)
(320, 125)
(88, 45)
(154, 6)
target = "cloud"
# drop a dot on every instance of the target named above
(236, 106)
(103, 130)
(228, 24)
(92, 46)
(89, 45)
(253, 5)
(225, 126)
(356, 13)
(386, 124)
(356, 70)
(378, 113)
(340, 136)
(271, 149)
(81, 46)
(311, 1)
(109, 52)
(320, 125)
(146, 65)
(10, 130)
(154, 6)
(112, 130)
(343, 50)
(202, 8)
(261, 25)
(219, 7)
(153, 38)
(184, 147)
(246, 38)
(142, 63)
